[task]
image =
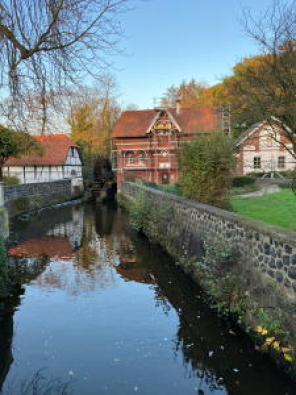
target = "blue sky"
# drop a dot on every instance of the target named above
(167, 41)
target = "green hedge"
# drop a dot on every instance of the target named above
(242, 181)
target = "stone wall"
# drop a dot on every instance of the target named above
(266, 255)
(28, 197)
(269, 249)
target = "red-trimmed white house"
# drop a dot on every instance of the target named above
(261, 149)
(60, 161)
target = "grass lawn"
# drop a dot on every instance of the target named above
(277, 209)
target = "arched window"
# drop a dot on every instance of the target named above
(130, 159)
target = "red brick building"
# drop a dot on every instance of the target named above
(146, 142)
(263, 149)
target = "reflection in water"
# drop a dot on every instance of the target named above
(103, 302)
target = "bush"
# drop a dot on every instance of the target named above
(11, 181)
(206, 165)
(140, 211)
(242, 181)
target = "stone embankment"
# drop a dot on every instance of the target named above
(265, 255)
(28, 197)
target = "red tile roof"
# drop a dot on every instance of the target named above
(190, 120)
(56, 147)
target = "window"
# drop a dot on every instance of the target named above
(257, 162)
(130, 159)
(281, 162)
(142, 158)
(72, 152)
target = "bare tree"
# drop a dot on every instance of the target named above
(263, 88)
(47, 44)
(91, 116)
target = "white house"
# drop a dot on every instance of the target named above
(60, 160)
(263, 148)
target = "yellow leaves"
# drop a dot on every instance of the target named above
(272, 342)
(276, 345)
(286, 349)
(288, 358)
(269, 340)
(262, 331)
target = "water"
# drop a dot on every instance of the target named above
(100, 309)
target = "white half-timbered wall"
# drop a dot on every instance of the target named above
(71, 169)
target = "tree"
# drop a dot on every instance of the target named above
(14, 144)
(48, 44)
(206, 165)
(191, 94)
(263, 87)
(93, 113)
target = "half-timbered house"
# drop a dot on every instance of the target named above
(146, 142)
(60, 160)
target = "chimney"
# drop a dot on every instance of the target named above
(178, 106)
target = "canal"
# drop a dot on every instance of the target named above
(97, 309)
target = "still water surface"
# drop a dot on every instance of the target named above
(99, 307)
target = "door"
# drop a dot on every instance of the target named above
(165, 177)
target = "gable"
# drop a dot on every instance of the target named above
(260, 134)
(163, 123)
(73, 157)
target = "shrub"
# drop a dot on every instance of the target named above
(206, 165)
(11, 181)
(242, 181)
(140, 211)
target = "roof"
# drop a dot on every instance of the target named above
(55, 146)
(190, 120)
(248, 132)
